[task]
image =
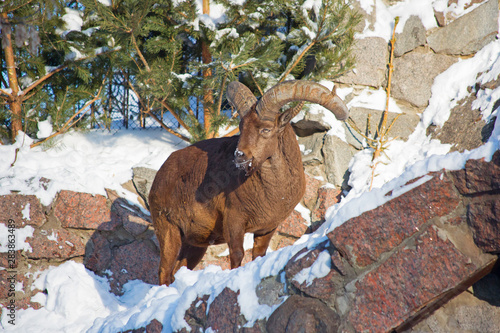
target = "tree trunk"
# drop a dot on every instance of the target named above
(14, 101)
(208, 100)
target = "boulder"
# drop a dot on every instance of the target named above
(444, 19)
(466, 35)
(464, 313)
(294, 225)
(269, 291)
(310, 124)
(367, 20)
(311, 194)
(55, 244)
(143, 179)
(478, 176)
(7, 261)
(137, 260)
(483, 217)
(7, 282)
(131, 217)
(402, 128)
(414, 74)
(22, 209)
(327, 197)
(213, 257)
(322, 288)
(465, 129)
(337, 155)
(488, 288)
(413, 35)
(224, 312)
(413, 282)
(303, 314)
(98, 254)
(84, 211)
(196, 315)
(363, 239)
(372, 55)
(311, 154)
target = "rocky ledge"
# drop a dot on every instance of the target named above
(392, 267)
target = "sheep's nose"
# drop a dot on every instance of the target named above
(238, 153)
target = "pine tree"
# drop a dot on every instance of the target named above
(45, 61)
(182, 54)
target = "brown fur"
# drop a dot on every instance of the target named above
(199, 197)
(217, 190)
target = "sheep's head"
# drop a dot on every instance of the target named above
(258, 142)
(262, 123)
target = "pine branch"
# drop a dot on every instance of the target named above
(141, 56)
(222, 88)
(165, 127)
(171, 110)
(233, 132)
(158, 120)
(256, 84)
(48, 75)
(298, 59)
(69, 123)
(6, 94)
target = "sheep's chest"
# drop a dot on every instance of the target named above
(268, 201)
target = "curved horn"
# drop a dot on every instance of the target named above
(240, 97)
(289, 113)
(297, 90)
(295, 111)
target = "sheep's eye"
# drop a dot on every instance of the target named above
(265, 130)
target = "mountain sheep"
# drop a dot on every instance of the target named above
(216, 190)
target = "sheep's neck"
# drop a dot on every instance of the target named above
(287, 161)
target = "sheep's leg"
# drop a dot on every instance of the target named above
(190, 256)
(260, 244)
(234, 237)
(169, 237)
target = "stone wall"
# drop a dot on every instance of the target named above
(393, 266)
(113, 237)
(390, 267)
(420, 56)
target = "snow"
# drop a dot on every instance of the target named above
(44, 129)
(76, 300)
(25, 81)
(20, 235)
(452, 85)
(51, 237)
(26, 212)
(85, 162)
(373, 99)
(217, 15)
(229, 32)
(73, 20)
(320, 268)
(105, 2)
(247, 245)
(75, 54)
(424, 9)
(305, 213)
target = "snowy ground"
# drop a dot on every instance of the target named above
(79, 301)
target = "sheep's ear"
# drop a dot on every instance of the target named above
(287, 115)
(240, 97)
(284, 118)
